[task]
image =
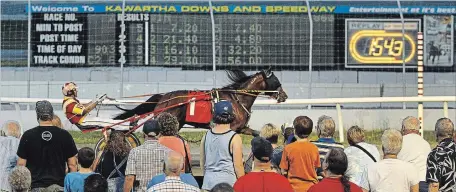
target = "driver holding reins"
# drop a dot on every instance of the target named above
(73, 109)
(78, 113)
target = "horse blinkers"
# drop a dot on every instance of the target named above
(273, 84)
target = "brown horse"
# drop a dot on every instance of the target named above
(242, 102)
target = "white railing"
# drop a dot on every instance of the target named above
(336, 101)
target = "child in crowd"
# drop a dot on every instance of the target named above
(75, 181)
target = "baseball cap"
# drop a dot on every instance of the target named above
(44, 110)
(262, 149)
(151, 128)
(223, 107)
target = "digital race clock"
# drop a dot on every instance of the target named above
(380, 42)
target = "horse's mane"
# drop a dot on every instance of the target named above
(236, 78)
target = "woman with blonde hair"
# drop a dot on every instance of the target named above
(360, 155)
(57, 122)
(271, 133)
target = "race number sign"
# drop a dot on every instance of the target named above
(380, 43)
(59, 39)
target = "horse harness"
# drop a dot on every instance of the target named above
(216, 98)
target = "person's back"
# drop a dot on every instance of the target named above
(359, 161)
(324, 145)
(392, 175)
(262, 181)
(169, 128)
(146, 161)
(301, 158)
(218, 158)
(46, 150)
(74, 182)
(415, 150)
(8, 159)
(325, 131)
(333, 185)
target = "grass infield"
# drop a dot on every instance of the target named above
(194, 138)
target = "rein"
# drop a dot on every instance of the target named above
(240, 91)
(137, 117)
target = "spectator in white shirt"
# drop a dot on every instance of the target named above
(415, 149)
(8, 148)
(360, 156)
(392, 174)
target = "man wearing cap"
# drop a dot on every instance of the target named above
(262, 174)
(221, 149)
(45, 150)
(145, 161)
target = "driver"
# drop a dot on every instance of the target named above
(73, 109)
(78, 114)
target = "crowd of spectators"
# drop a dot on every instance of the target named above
(45, 158)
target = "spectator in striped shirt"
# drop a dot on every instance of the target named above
(174, 163)
(325, 131)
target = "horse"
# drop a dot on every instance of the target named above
(242, 102)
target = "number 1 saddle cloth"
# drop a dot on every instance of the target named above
(199, 110)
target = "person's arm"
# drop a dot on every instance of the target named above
(66, 185)
(72, 164)
(415, 188)
(128, 184)
(130, 171)
(21, 162)
(432, 172)
(237, 156)
(189, 154)
(88, 107)
(284, 163)
(433, 187)
(70, 152)
(202, 153)
(22, 151)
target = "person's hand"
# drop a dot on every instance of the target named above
(101, 98)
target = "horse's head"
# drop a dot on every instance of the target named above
(273, 84)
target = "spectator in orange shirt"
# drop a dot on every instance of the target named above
(262, 174)
(169, 127)
(301, 158)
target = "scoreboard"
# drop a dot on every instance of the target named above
(247, 34)
(169, 39)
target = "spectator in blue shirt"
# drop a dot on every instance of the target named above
(74, 182)
(184, 177)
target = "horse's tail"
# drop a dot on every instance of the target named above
(143, 108)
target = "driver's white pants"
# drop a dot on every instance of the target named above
(104, 122)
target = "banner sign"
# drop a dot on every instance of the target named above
(336, 8)
(439, 40)
(380, 43)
